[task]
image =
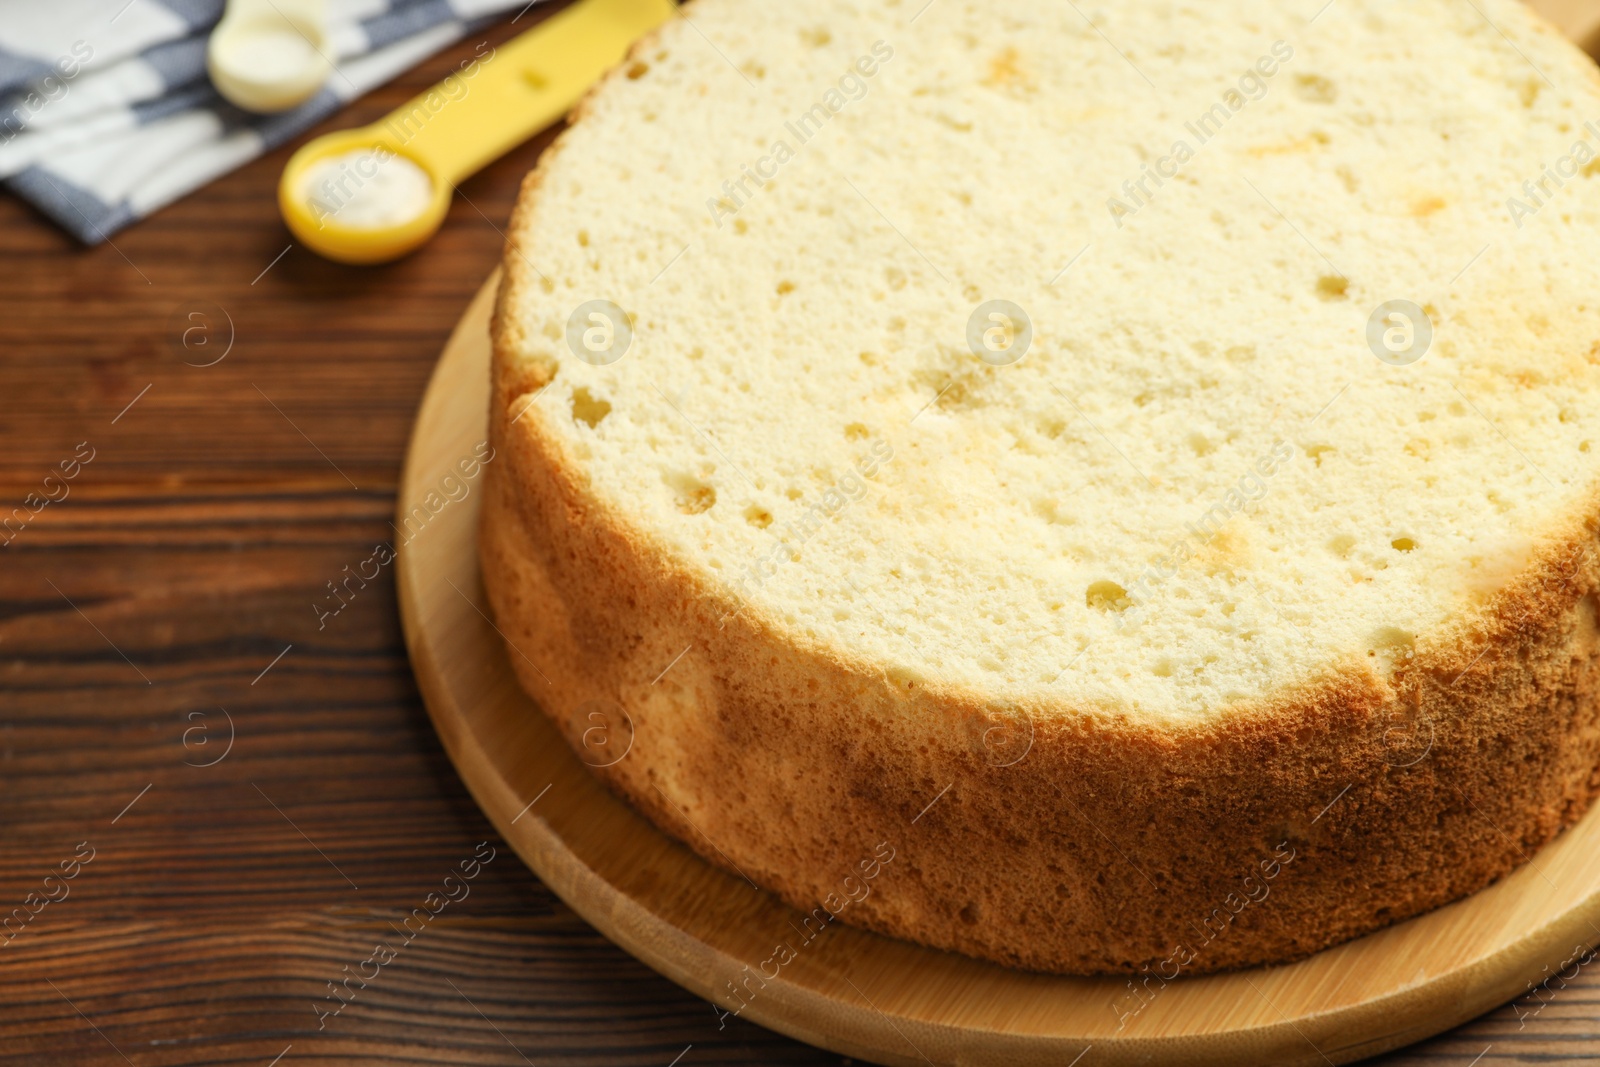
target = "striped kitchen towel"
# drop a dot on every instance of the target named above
(106, 112)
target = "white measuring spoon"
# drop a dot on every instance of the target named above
(269, 55)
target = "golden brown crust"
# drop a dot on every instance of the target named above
(1109, 846)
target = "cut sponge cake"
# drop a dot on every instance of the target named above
(1138, 462)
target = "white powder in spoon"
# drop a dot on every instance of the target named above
(268, 54)
(367, 189)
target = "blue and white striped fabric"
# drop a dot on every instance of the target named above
(106, 112)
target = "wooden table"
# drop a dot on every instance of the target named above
(181, 575)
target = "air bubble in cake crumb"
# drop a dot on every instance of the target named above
(1107, 596)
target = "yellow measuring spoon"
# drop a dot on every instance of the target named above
(391, 181)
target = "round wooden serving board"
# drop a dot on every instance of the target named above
(869, 996)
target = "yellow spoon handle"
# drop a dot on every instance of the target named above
(499, 100)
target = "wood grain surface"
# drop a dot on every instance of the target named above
(190, 552)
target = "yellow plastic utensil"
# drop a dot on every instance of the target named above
(469, 120)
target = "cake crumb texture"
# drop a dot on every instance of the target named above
(1099, 458)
